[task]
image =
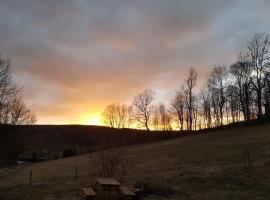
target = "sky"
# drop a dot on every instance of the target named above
(73, 57)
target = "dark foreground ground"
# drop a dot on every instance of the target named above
(221, 165)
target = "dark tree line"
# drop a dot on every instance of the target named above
(230, 94)
(12, 108)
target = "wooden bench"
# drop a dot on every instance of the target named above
(88, 193)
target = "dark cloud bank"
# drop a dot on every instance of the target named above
(76, 56)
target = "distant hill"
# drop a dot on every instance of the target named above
(58, 141)
(57, 136)
(69, 139)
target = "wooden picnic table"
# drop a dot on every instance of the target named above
(108, 186)
(108, 181)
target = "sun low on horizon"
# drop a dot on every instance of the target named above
(95, 120)
(90, 119)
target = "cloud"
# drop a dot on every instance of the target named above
(75, 56)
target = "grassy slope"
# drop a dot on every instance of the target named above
(209, 166)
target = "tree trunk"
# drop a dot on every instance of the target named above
(259, 103)
(247, 103)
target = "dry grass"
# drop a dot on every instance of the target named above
(231, 164)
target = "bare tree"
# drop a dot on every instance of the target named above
(143, 108)
(258, 50)
(19, 114)
(12, 108)
(165, 117)
(108, 163)
(240, 72)
(177, 105)
(217, 83)
(195, 112)
(7, 90)
(156, 118)
(190, 83)
(267, 94)
(233, 100)
(117, 116)
(30, 118)
(206, 107)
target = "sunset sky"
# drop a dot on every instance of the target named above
(73, 57)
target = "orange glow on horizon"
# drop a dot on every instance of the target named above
(80, 119)
(90, 119)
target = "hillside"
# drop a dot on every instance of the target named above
(226, 164)
(57, 136)
(67, 140)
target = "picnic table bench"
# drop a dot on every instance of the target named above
(89, 193)
(126, 192)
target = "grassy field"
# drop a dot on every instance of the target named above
(225, 165)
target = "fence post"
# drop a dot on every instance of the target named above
(30, 177)
(76, 173)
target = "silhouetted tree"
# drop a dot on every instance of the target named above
(190, 83)
(165, 117)
(156, 118)
(267, 94)
(12, 109)
(143, 108)
(117, 116)
(217, 83)
(195, 112)
(240, 72)
(108, 163)
(206, 107)
(177, 105)
(258, 51)
(233, 101)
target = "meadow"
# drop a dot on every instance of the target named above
(225, 164)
